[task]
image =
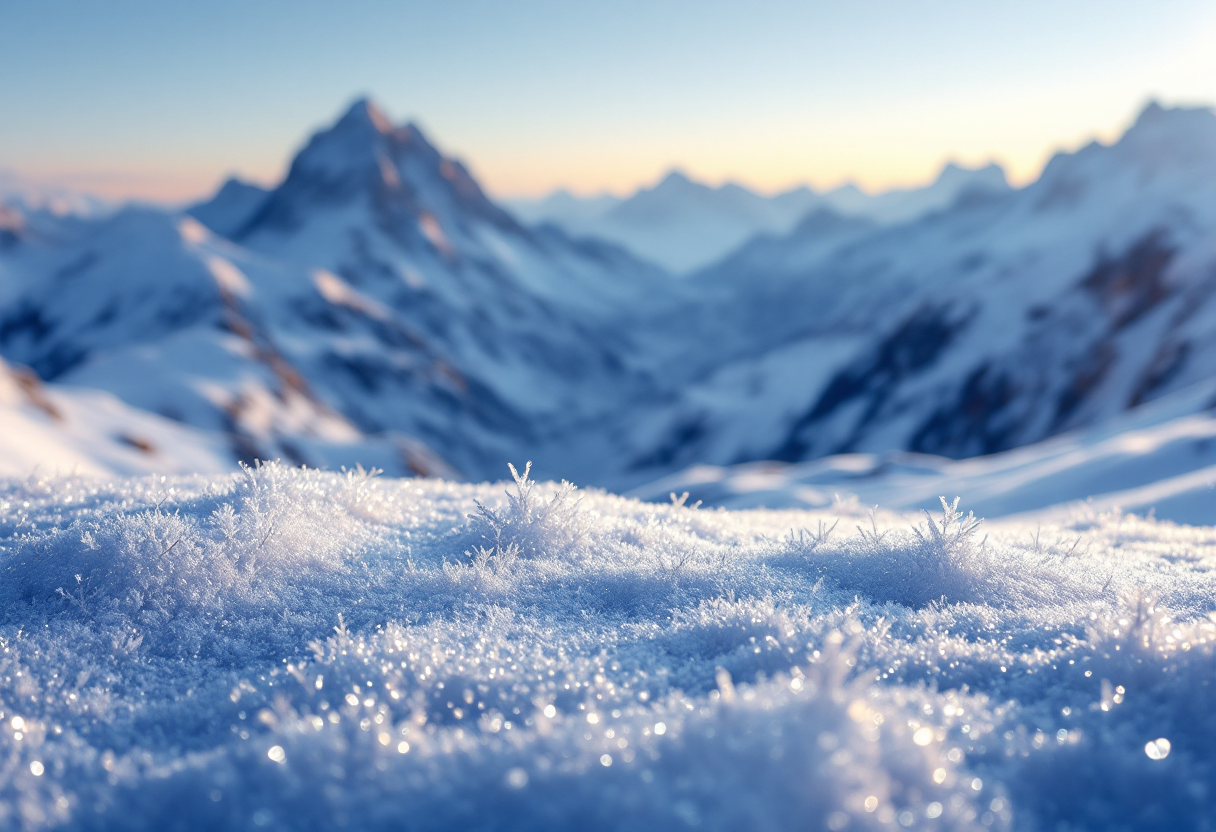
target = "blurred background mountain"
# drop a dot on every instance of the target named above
(376, 307)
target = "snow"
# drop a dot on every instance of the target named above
(66, 429)
(1160, 458)
(292, 649)
(232, 207)
(984, 320)
(685, 225)
(289, 648)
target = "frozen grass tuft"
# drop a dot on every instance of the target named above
(940, 561)
(530, 524)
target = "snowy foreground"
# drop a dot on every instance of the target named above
(289, 649)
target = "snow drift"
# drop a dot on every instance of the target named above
(291, 649)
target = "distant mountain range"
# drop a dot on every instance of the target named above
(377, 307)
(19, 193)
(684, 225)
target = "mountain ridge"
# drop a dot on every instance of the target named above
(986, 326)
(374, 292)
(377, 306)
(685, 225)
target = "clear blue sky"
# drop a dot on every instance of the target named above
(161, 99)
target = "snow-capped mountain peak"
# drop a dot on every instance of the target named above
(368, 111)
(394, 171)
(1176, 145)
(957, 178)
(677, 180)
(1180, 124)
(355, 141)
(231, 208)
(1180, 135)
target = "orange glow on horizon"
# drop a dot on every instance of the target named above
(823, 163)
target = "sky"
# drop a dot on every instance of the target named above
(160, 101)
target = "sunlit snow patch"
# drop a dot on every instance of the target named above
(291, 649)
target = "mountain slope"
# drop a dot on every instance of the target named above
(154, 309)
(374, 300)
(50, 430)
(986, 326)
(1159, 457)
(230, 208)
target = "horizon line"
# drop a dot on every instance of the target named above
(157, 191)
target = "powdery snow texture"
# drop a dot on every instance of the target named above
(291, 649)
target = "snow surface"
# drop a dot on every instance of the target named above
(69, 430)
(291, 649)
(1158, 458)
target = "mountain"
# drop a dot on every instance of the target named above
(449, 320)
(953, 183)
(152, 308)
(991, 324)
(684, 225)
(231, 208)
(1158, 457)
(817, 234)
(563, 208)
(375, 306)
(12, 225)
(30, 196)
(679, 224)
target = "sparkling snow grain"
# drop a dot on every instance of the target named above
(291, 649)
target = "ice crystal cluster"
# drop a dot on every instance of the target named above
(293, 649)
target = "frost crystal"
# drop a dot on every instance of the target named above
(292, 649)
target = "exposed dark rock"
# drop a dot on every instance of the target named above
(139, 443)
(1130, 285)
(1167, 363)
(26, 319)
(78, 266)
(31, 387)
(914, 345)
(975, 422)
(1086, 375)
(678, 446)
